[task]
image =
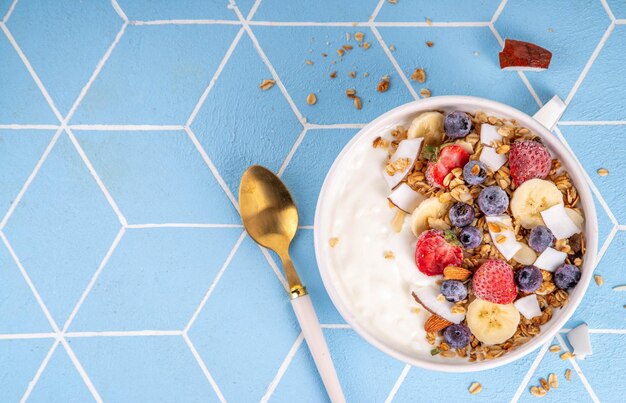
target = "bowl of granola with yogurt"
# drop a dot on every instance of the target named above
(456, 233)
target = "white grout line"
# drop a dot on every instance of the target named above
(183, 225)
(204, 368)
(454, 24)
(95, 73)
(275, 268)
(620, 21)
(30, 284)
(496, 15)
(126, 333)
(216, 75)
(81, 371)
(30, 69)
(28, 127)
(608, 331)
(336, 126)
(9, 11)
(253, 10)
(217, 278)
(582, 377)
(22, 336)
(399, 381)
(212, 167)
(94, 278)
(621, 227)
(591, 122)
(305, 227)
(608, 10)
(605, 246)
(468, 24)
(496, 34)
(282, 369)
(97, 178)
(127, 127)
(394, 62)
(30, 179)
(530, 373)
(292, 151)
(40, 370)
(335, 326)
(184, 22)
(377, 9)
(592, 59)
(305, 24)
(119, 10)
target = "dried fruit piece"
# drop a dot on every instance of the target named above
(519, 55)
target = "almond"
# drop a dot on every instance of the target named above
(436, 323)
(456, 273)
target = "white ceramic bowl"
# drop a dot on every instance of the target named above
(403, 115)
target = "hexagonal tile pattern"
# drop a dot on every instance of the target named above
(157, 177)
(320, 11)
(606, 348)
(177, 10)
(243, 370)
(236, 110)
(87, 31)
(292, 46)
(21, 101)
(618, 7)
(471, 48)
(155, 279)
(62, 229)
(571, 38)
(136, 86)
(439, 11)
(20, 360)
(147, 369)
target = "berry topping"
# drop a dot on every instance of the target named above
(457, 124)
(566, 276)
(493, 282)
(470, 237)
(453, 290)
(450, 157)
(435, 250)
(540, 238)
(493, 200)
(457, 336)
(528, 159)
(528, 278)
(461, 214)
(474, 173)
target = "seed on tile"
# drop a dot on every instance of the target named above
(599, 280)
(475, 388)
(357, 102)
(603, 172)
(425, 92)
(333, 242)
(555, 348)
(419, 75)
(544, 384)
(554, 383)
(352, 74)
(311, 99)
(333, 74)
(538, 391)
(566, 355)
(347, 47)
(366, 74)
(309, 62)
(350, 93)
(428, 21)
(568, 374)
(267, 84)
(429, 44)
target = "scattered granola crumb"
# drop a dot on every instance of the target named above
(347, 47)
(379, 142)
(352, 74)
(366, 74)
(544, 384)
(428, 21)
(311, 99)
(599, 280)
(357, 102)
(554, 383)
(566, 355)
(603, 172)
(358, 36)
(267, 84)
(333, 242)
(324, 54)
(309, 62)
(383, 85)
(389, 255)
(425, 92)
(340, 52)
(350, 93)
(366, 45)
(538, 391)
(475, 388)
(392, 1)
(419, 75)
(333, 74)
(555, 348)
(500, 239)
(392, 48)
(429, 44)
(568, 374)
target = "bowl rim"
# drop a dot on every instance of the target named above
(577, 175)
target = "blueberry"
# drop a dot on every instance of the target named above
(493, 200)
(540, 238)
(457, 124)
(453, 290)
(470, 177)
(566, 276)
(457, 336)
(461, 214)
(470, 237)
(528, 279)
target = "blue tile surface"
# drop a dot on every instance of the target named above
(137, 187)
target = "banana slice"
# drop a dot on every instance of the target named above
(492, 323)
(431, 209)
(525, 255)
(430, 126)
(531, 198)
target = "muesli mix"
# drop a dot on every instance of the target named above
(498, 228)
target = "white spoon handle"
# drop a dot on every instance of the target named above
(312, 331)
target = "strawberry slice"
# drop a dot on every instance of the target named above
(450, 157)
(436, 250)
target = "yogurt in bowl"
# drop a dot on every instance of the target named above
(408, 282)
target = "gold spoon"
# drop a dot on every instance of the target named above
(270, 216)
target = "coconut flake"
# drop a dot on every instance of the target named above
(559, 222)
(504, 238)
(576, 217)
(409, 148)
(492, 159)
(550, 259)
(528, 306)
(580, 341)
(489, 134)
(551, 112)
(427, 297)
(405, 198)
